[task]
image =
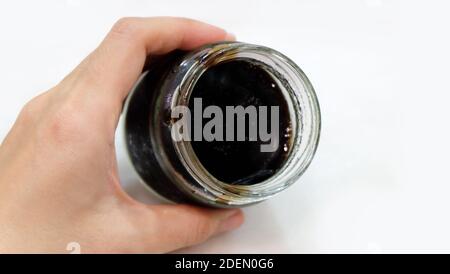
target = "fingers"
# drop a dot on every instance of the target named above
(179, 226)
(117, 63)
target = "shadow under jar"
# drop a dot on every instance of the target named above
(223, 172)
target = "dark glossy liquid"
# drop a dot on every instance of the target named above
(242, 83)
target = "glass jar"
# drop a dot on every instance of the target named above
(170, 168)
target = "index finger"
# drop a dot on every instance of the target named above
(117, 63)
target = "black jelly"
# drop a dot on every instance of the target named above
(241, 83)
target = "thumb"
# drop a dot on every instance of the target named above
(178, 226)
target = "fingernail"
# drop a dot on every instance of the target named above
(232, 221)
(230, 37)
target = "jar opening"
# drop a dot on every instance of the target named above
(241, 122)
(297, 105)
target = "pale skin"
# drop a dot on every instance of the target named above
(58, 171)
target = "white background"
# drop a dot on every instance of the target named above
(379, 181)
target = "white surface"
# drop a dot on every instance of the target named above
(379, 181)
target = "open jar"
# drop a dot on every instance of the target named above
(190, 156)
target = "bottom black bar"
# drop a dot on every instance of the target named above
(225, 263)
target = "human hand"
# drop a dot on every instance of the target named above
(58, 170)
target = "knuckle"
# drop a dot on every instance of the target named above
(31, 110)
(63, 126)
(124, 26)
(202, 229)
(28, 112)
(185, 20)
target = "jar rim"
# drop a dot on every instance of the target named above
(305, 114)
